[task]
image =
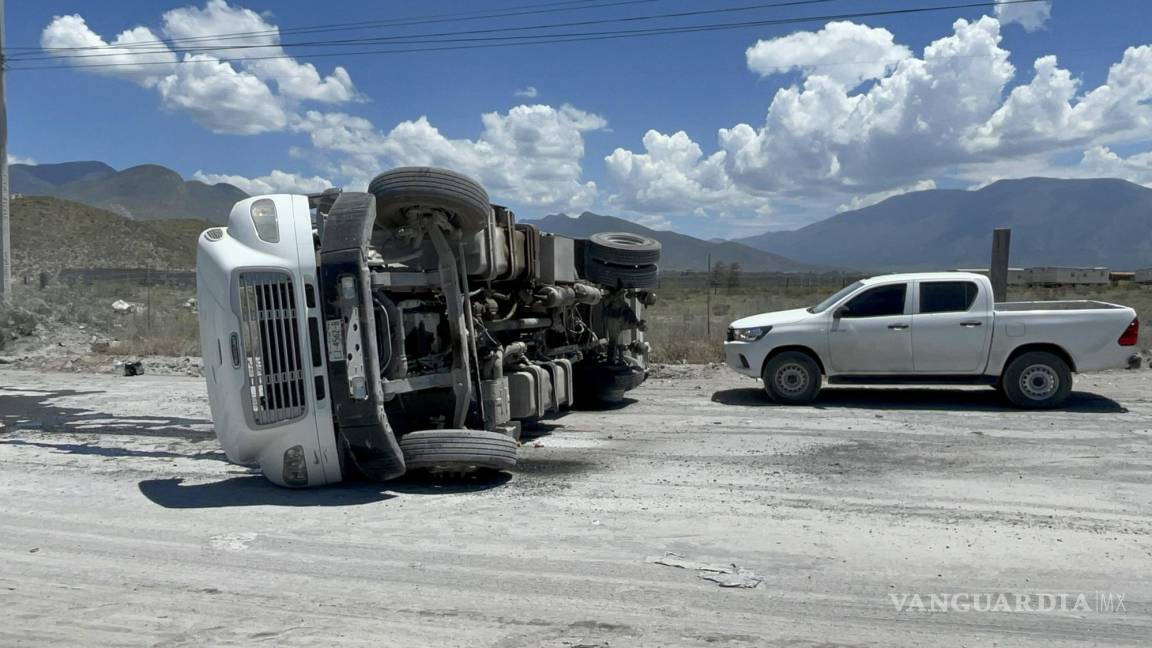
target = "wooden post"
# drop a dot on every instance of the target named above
(708, 301)
(998, 271)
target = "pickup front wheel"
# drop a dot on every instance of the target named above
(792, 378)
(1037, 380)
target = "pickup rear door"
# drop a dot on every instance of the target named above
(951, 327)
(873, 334)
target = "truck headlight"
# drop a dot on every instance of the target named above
(264, 219)
(295, 466)
(747, 334)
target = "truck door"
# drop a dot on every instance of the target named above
(872, 333)
(950, 328)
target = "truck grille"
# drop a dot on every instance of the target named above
(269, 326)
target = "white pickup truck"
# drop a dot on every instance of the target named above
(932, 328)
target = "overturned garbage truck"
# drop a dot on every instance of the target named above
(413, 326)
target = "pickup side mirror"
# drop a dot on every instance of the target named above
(841, 312)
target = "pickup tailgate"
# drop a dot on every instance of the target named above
(1088, 331)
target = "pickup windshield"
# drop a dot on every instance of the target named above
(828, 303)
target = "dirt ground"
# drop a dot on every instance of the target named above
(122, 524)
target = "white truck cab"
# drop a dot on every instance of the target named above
(932, 328)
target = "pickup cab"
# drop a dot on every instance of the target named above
(928, 328)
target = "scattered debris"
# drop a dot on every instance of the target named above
(134, 368)
(724, 575)
(126, 308)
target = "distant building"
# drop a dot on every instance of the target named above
(1056, 276)
(1144, 276)
(1059, 276)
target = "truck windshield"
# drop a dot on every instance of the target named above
(828, 303)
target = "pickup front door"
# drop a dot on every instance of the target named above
(951, 328)
(872, 334)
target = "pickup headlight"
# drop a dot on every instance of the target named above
(264, 219)
(747, 334)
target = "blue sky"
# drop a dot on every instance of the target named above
(724, 133)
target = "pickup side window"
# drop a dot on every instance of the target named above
(947, 296)
(883, 301)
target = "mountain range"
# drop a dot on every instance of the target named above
(145, 192)
(1100, 222)
(1094, 222)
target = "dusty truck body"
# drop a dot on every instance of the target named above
(415, 325)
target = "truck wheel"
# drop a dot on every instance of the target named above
(453, 450)
(398, 190)
(792, 378)
(618, 276)
(623, 248)
(1037, 380)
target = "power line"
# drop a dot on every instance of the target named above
(510, 12)
(547, 39)
(385, 39)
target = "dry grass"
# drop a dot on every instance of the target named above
(163, 326)
(678, 327)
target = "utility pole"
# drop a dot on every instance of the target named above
(708, 299)
(5, 226)
(998, 271)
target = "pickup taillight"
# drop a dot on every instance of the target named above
(1131, 334)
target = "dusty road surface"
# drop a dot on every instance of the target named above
(121, 524)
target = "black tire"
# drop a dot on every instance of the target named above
(623, 248)
(792, 378)
(398, 190)
(616, 276)
(1037, 380)
(458, 449)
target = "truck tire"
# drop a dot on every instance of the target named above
(792, 378)
(620, 276)
(623, 248)
(458, 449)
(398, 190)
(1037, 380)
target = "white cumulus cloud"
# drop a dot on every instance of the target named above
(275, 182)
(530, 155)
(843, 51)
(1029, 15)
(218, 89)
(956, 110)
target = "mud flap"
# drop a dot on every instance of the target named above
(362, 427)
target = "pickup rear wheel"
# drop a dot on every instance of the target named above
(792, 378)
(1037, 380)
(456, 450)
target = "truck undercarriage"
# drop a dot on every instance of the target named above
(436, 325)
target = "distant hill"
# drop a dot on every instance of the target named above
(146, 192)
(50, 234)
(680, 252)
(1054, 222)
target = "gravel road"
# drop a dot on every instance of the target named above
(122, 524)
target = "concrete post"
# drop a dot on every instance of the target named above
(998, 271)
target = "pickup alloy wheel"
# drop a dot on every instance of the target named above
(1037, 380)
(792, 378)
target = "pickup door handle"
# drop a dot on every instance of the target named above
(971, 324)
(899, 327)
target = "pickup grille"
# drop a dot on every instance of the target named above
(269, 326)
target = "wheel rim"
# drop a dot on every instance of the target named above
(791, 379)
(1039, 382)
(624, 239)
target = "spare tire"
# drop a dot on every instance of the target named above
(620, 276)
(462, 198)
(623, 248)
(455, 449)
